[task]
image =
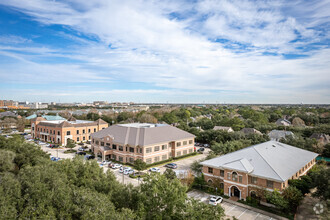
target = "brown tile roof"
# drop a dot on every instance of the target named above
(143, 136)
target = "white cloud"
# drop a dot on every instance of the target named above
(178, 54)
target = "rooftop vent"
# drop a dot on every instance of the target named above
(274, 145)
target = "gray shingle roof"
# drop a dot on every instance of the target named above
(276, 135)
(142, 136)
(270, 160)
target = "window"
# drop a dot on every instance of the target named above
(114, 147)
(234, 176)
(58, 133)
(89, 137)
(254, 180)
(210, 170)
(184, 152)
(50, 131)
(77, 131)
(178, 144)
(120, 159)
(190, 151)
(270, 184)
(114, 157)
(190, 141)
(89, 130)
(131, 149)
(126, 149)
(164, 147)
(228, 176)
(94, 129)
(140, 150)
(148, 150)
(131, 160)
(156, 159)
(102, 143)
(120, 148)
(283, 185)
(149, 160)
(83, 138)
(68, 133)
(178, 154)
(77, 138)
(83, 131)
(240, 179)
(222, 173)
(47, 130)
(108, 144)
(156, 148)
(38, 129)
(184, 143)
(97, 142)
(164, 157)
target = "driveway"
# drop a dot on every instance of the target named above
(231, 209)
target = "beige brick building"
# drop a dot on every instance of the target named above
(58, 131)
(148, 142)
(266, 166)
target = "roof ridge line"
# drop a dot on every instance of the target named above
(268, 164)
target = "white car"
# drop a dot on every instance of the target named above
(154, 169)
(121, 169)
(105, 162)
(128, 171)
(215, 200)
(116, 166)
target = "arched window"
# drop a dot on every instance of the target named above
(222, 186)
(234, 176)
(210, 181)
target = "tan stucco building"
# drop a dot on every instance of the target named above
(266, 166)
(58, 131)
(148, 142)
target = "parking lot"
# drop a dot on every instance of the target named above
(231, 209)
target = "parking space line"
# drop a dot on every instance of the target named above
(231, 209)
(242, 213)
(257, 215)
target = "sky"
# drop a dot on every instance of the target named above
(176, 51)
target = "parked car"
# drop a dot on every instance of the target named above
(215, 200)
(81, 149)
(55, 158)
(105, 162)
(90, 157)
(206, 145)
(121, 169)
(116, 166)
(171, 165)
(201, 150)
(154, 169)
(81, 153)
(128, 171)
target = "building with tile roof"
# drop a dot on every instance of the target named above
(59, 131)
(223, 128)
(148, 142)
(268, 166)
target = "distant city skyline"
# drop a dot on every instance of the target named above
(165, 51)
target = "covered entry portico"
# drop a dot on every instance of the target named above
(234, 191)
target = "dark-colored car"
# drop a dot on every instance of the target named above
(171, 165)
(90, 157)
(201, 150)
(81, 153)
